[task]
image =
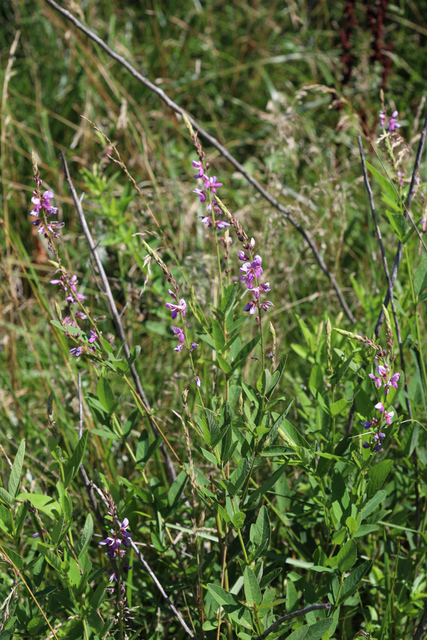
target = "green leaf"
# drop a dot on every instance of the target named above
(207, 339)
(56, 532)
(420, 277)
(221, 596)
(291, 436)
(353, 580)
(264, 382)
(351, 525)
(231, 605)
(45, 504)
(252, 590)
(223, 364)
(316, 378)
(377, 476)
(339, 406)
(105, 434)
(106, 345)
(239, 475)
(105, 394)
(15, 473)
(14, 556)
(217, 335)
(72, 465)
(398, 223)
(313, 632)
(6, 497)
(347, 556)
(245, 351)
(238, 520)
(276, 377)
(229, 297)
(268, 484)
(373, 504)
(340, 372)
(134, 354)
(260, 533)
(386, 185)
(213, 428)
(84, 540)
(51, 557)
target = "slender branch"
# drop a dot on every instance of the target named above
(408, 203)
(115, 314)
(149, 570)
(289, 616)
(214, 142)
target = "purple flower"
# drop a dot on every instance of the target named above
(394, 380)
(193, 346)
(267, 304)
(221, 224)
(76, 351)
(199, 166)
(126, 535)
(379, 407)
(93, 336)
(388, 416)
(178, 347)
(201, 194)
(179, 333)
(251, 270)
(198, 383)
(366, 445)
(367, 424)
(392, 123)
(378, 381)
(211, 184)
(243, 257)
(382, 118)
(37, 535)
(251, 307)
(177, 308)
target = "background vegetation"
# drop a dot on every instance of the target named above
(286, 87)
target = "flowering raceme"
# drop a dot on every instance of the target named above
(43, 208)
(392, 121)
(251, 271)
(384, 379)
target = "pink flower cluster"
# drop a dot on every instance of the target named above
(178, 309)
(378, 424)
(41, 212)
(251, 271)
(114, 542)
(68, 284)
(392, 121)
(209, 187)
(384, 378)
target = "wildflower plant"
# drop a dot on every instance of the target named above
(272, 519)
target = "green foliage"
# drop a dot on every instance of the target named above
(275, 503)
